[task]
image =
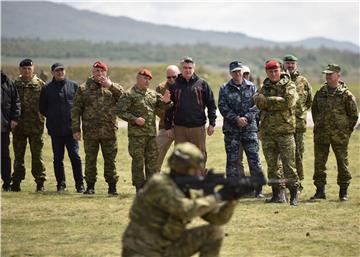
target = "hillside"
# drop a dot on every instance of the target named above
(53, 21)
(312, 61)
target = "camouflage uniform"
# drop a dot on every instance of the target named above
(158, 219)
(30, 127)
(277, 127)
(163, 141)
(235, 102)
(142, 147)
(303, 104)
(96, 106)
(335, 114)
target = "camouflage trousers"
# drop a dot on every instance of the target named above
(321, 151)
(144, 152)
(205, 240)
(37, 165)
(280, 147)
(250, 145)
(299, 153)
(164, 143)
(241, 162)
(109, 151)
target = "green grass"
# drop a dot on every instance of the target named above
(71, 224)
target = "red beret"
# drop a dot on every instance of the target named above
(272, 64)
(101, 65)
(145, 72)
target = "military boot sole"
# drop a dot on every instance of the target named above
(343, 198)
(316, 197)
(275, 200)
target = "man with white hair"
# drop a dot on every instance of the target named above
(163, 140)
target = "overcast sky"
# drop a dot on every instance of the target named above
(278, 21)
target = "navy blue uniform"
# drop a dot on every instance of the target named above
(236, 101)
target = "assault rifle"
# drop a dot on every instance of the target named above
(208, 183)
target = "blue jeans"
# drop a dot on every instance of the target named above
(72, 146)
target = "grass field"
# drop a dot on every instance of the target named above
(71, 224)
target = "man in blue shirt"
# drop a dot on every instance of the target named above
(239, 111)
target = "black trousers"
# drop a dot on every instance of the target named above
(58, 145)
(5, 158)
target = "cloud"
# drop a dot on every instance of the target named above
(278, 21)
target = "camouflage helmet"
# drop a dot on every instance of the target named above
(186, 156)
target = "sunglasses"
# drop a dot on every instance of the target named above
(171, 77)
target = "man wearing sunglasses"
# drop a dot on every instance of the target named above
(164, 142)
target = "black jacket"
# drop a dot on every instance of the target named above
(56, 100)
(190, 99)
(10, 103)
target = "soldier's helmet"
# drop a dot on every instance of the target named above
(186, 156)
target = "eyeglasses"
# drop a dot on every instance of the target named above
(171, 77)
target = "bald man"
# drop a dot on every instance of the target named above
(163, 140)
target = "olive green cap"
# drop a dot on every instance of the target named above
(290, 58)
(331, 68)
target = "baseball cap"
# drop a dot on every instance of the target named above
(331, 68)
(245, 69)
(56, 66)
(235, 65)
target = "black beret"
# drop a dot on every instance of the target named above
(26, 62)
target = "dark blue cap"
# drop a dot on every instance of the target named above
(235, 65)
(57, 66)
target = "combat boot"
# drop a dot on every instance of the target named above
(343, 193)
(294, 196)
(40, 187)
(112, 189)
(61, 188)
(6, 187)
(275, 195)
(258, 192)
(90, 190)
(15, 187)
(319, 194)
(80, 188)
